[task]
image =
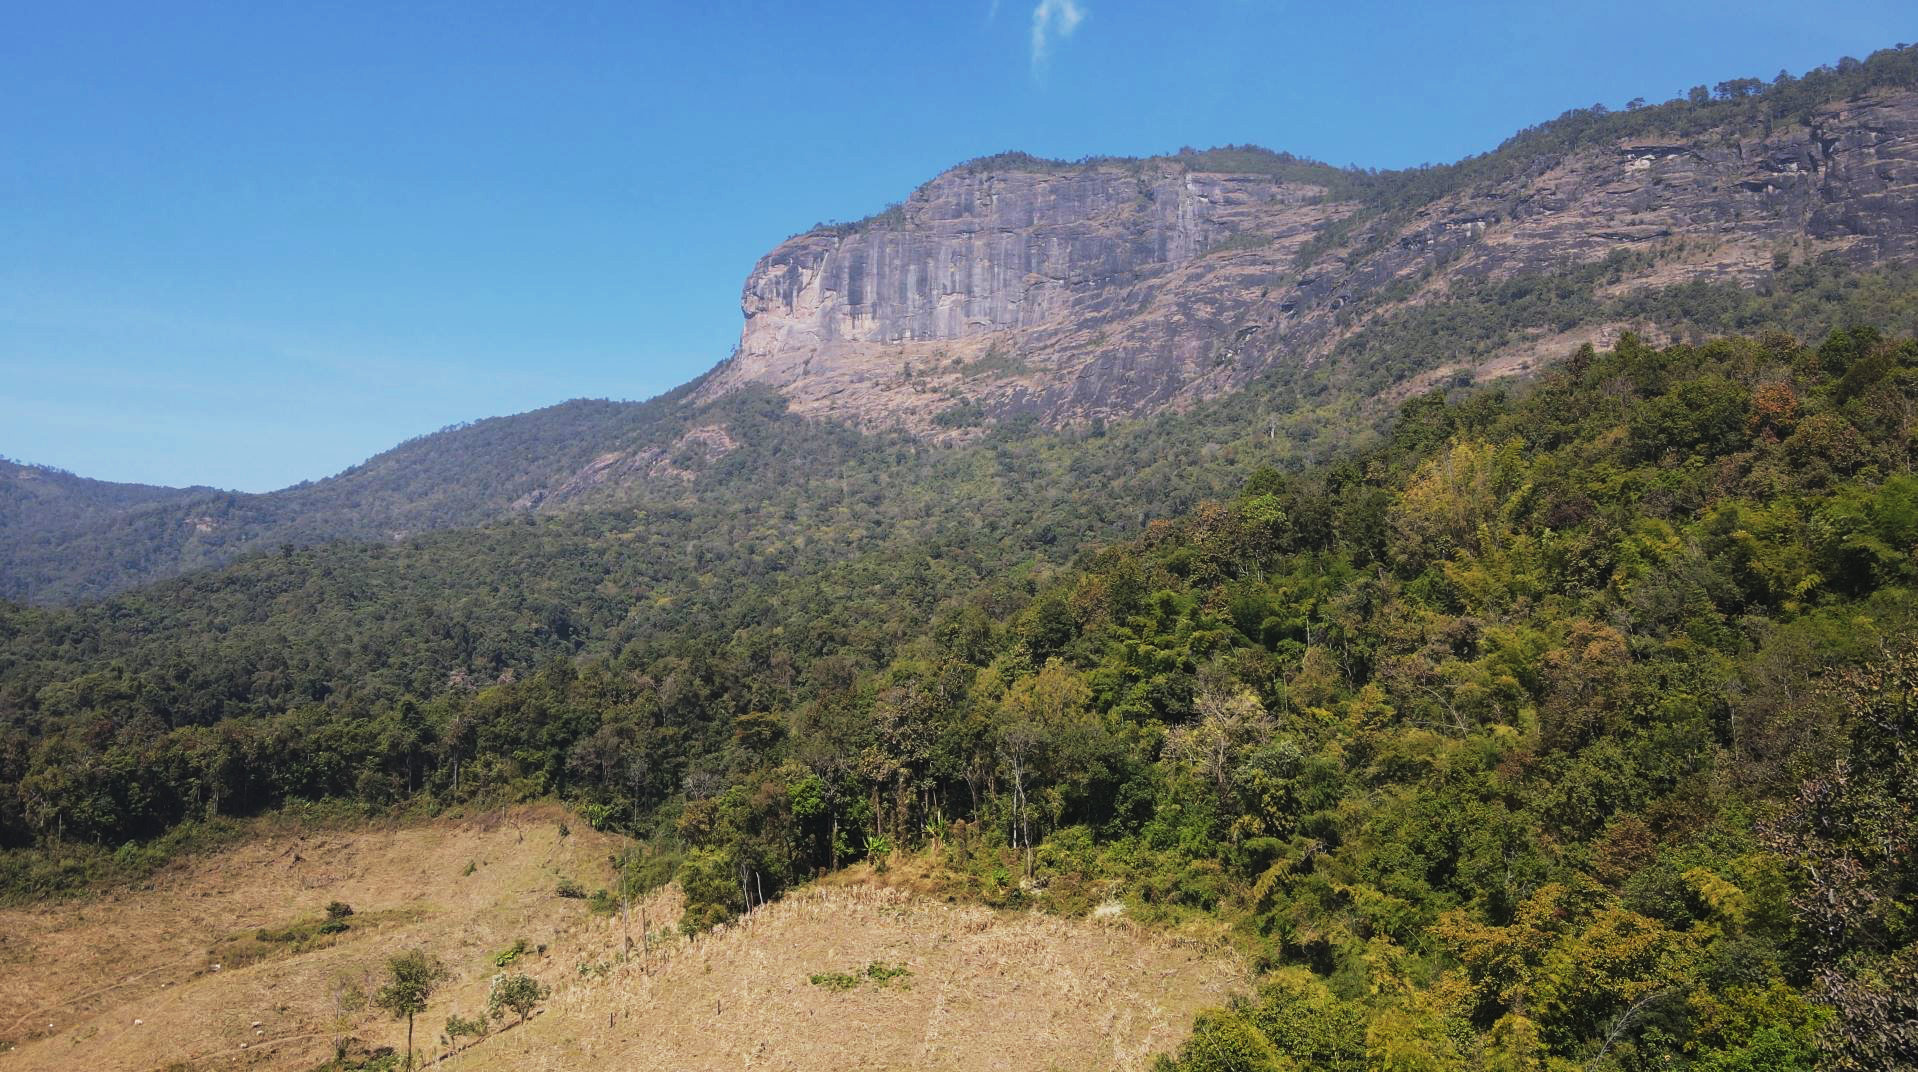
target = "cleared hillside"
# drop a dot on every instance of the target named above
(175, 974)
(985, 990)
(178, 976)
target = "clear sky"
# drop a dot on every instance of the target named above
(253, 243)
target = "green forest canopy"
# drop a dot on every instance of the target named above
(1566, 726)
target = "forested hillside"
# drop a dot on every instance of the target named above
(1566, 726)
(842, 546)
(56, 551)
(37, 502)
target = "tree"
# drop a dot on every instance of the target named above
(1707, 416)
(1849, 834)
(1447, 500)
(412, 977)
(517, 992)
(1049, 739)
(348, 997)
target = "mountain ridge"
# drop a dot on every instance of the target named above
(1115, 288)
(1167, 284)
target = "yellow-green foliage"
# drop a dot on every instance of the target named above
(1528, 737)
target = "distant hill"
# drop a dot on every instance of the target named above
(42, 498)
(68, 538)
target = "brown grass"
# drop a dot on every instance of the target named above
(987, 990)
(91, 968)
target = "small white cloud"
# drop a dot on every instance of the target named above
(1053, 19)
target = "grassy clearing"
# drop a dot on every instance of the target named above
(232, 960)
(903, 981)
(177, 972)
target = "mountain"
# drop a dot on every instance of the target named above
(1561, 720)
(1020, 296)
(51, 498)
(94, 538)
(1115, 288)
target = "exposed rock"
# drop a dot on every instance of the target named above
(1007, 284)
(1118, 289)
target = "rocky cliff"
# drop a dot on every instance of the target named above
(1118, 288)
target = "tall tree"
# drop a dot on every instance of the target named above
(412, 977)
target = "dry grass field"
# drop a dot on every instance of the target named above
(128, 982)
(985, 991)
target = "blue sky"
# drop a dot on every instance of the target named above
(250, 244)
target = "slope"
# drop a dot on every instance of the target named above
(176, 975)
(1114, 288)
(1493, 742)
(457, 477)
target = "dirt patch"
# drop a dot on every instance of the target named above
(1530, 356)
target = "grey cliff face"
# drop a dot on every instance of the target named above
(978, 253)
(1119, 289)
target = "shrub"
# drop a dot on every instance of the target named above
(598, 816)
(711, 887)
(879, 973)
(966, 414)
(457, 1026)
(643, 870)
(510, 954)
(518, 993)
(568, 888)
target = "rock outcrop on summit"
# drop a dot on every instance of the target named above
(1117, 288)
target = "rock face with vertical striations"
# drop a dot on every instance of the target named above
(998, 275)
(1120, 288)
(978, 251)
